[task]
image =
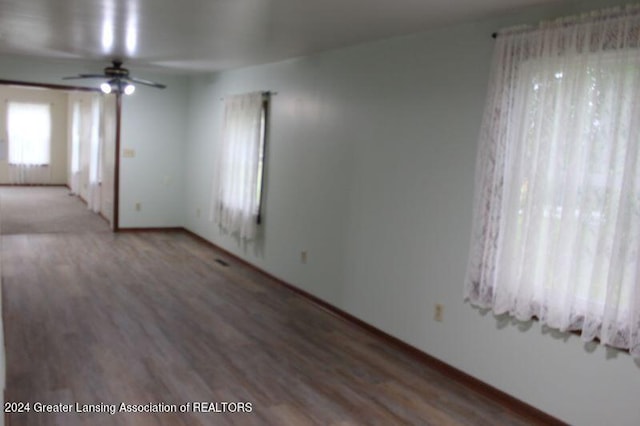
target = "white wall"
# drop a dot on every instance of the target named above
(371, 169)
(154, 127)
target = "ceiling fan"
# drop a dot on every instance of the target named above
(118, 79)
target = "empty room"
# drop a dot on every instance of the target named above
(274, 212)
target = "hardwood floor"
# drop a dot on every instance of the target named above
(101, 318)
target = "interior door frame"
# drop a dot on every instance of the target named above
(116, 169)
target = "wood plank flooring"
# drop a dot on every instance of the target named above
(102, 318)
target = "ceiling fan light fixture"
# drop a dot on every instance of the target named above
(129, 89)
(105, 87)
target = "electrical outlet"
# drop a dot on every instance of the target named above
(138, 207)
(303, 256)
(198, 212)
(438, 313)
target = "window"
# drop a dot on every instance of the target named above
(29, 129)
(557, 210)
(238, 190)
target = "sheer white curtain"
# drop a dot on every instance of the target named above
(236, 193)
(557, 208)
(76, 122)
(95, 161)
(29, 132)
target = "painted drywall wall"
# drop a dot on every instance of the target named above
(370, 168)
(153, 125)
(57, 169)
(153, 130)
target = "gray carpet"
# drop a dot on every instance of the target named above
(45, 210)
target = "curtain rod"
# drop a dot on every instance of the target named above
(264, 93)
(593, 16)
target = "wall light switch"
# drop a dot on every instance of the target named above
(128, 153)
(438, 312)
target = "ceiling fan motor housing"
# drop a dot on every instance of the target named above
(116, 70)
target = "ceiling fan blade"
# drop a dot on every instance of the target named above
(145, 82)
(80, 76)
(116, 75)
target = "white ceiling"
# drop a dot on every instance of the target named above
(194, 35)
